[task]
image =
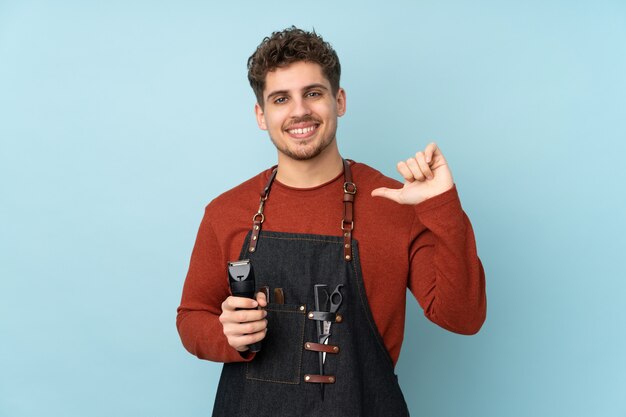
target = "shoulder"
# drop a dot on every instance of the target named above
(368, 178)
(382, 226)
(240, 197)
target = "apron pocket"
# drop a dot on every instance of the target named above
(281, 354)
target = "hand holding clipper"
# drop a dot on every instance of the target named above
(242, 284)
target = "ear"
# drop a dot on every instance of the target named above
(260, 116)
(341, 102)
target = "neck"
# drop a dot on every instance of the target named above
(312, 172)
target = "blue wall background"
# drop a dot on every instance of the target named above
(120, 120)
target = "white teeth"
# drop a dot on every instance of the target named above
(301, 131)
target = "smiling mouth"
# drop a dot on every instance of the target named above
(303, 132)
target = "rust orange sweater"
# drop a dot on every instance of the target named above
(428, 248)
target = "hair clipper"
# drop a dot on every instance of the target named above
(241, 280)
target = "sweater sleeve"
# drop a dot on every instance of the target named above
(446, 277)
(205, 288)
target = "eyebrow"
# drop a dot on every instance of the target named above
(285, 92)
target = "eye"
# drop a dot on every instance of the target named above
(280, 100)
(313, 94)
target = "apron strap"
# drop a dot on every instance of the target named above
(347, 224)
(259, 217)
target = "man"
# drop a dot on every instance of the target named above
(336, 243)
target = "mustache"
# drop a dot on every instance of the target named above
(303, 119)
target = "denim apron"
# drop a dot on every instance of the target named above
(284, 378)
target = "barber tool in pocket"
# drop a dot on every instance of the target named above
(335, 300)
(279, 295)
(324, 317)
(242, 284)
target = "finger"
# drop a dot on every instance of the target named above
(388, 193)
(240, 329)
(229, 317)
(430, 151)
(245, 316)
(415, 169)
(423, 165)
(437, 159)
(261, 298)
(232, 303)
(404, 170)
(241, 342)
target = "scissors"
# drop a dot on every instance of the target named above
(320, 305)
(335, 299)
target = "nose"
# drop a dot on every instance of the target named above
(300, 108)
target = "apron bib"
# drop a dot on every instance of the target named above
(284, 378)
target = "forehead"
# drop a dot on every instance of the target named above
(294, 77)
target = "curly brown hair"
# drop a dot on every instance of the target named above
(286, 47)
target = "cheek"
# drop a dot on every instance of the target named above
(273, 124)
(328, 111)
(274, 120)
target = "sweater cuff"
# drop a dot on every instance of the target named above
(450, 196)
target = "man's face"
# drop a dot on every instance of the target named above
(300, 112)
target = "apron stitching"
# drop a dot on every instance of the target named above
(270, 380)
(297, 238)
(299, 367)
(284, 311)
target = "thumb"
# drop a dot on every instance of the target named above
(261, 299)
(388, 193)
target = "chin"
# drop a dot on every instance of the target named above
(302, 156)
(303, 151)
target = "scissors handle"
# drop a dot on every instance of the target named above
(336, 299)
